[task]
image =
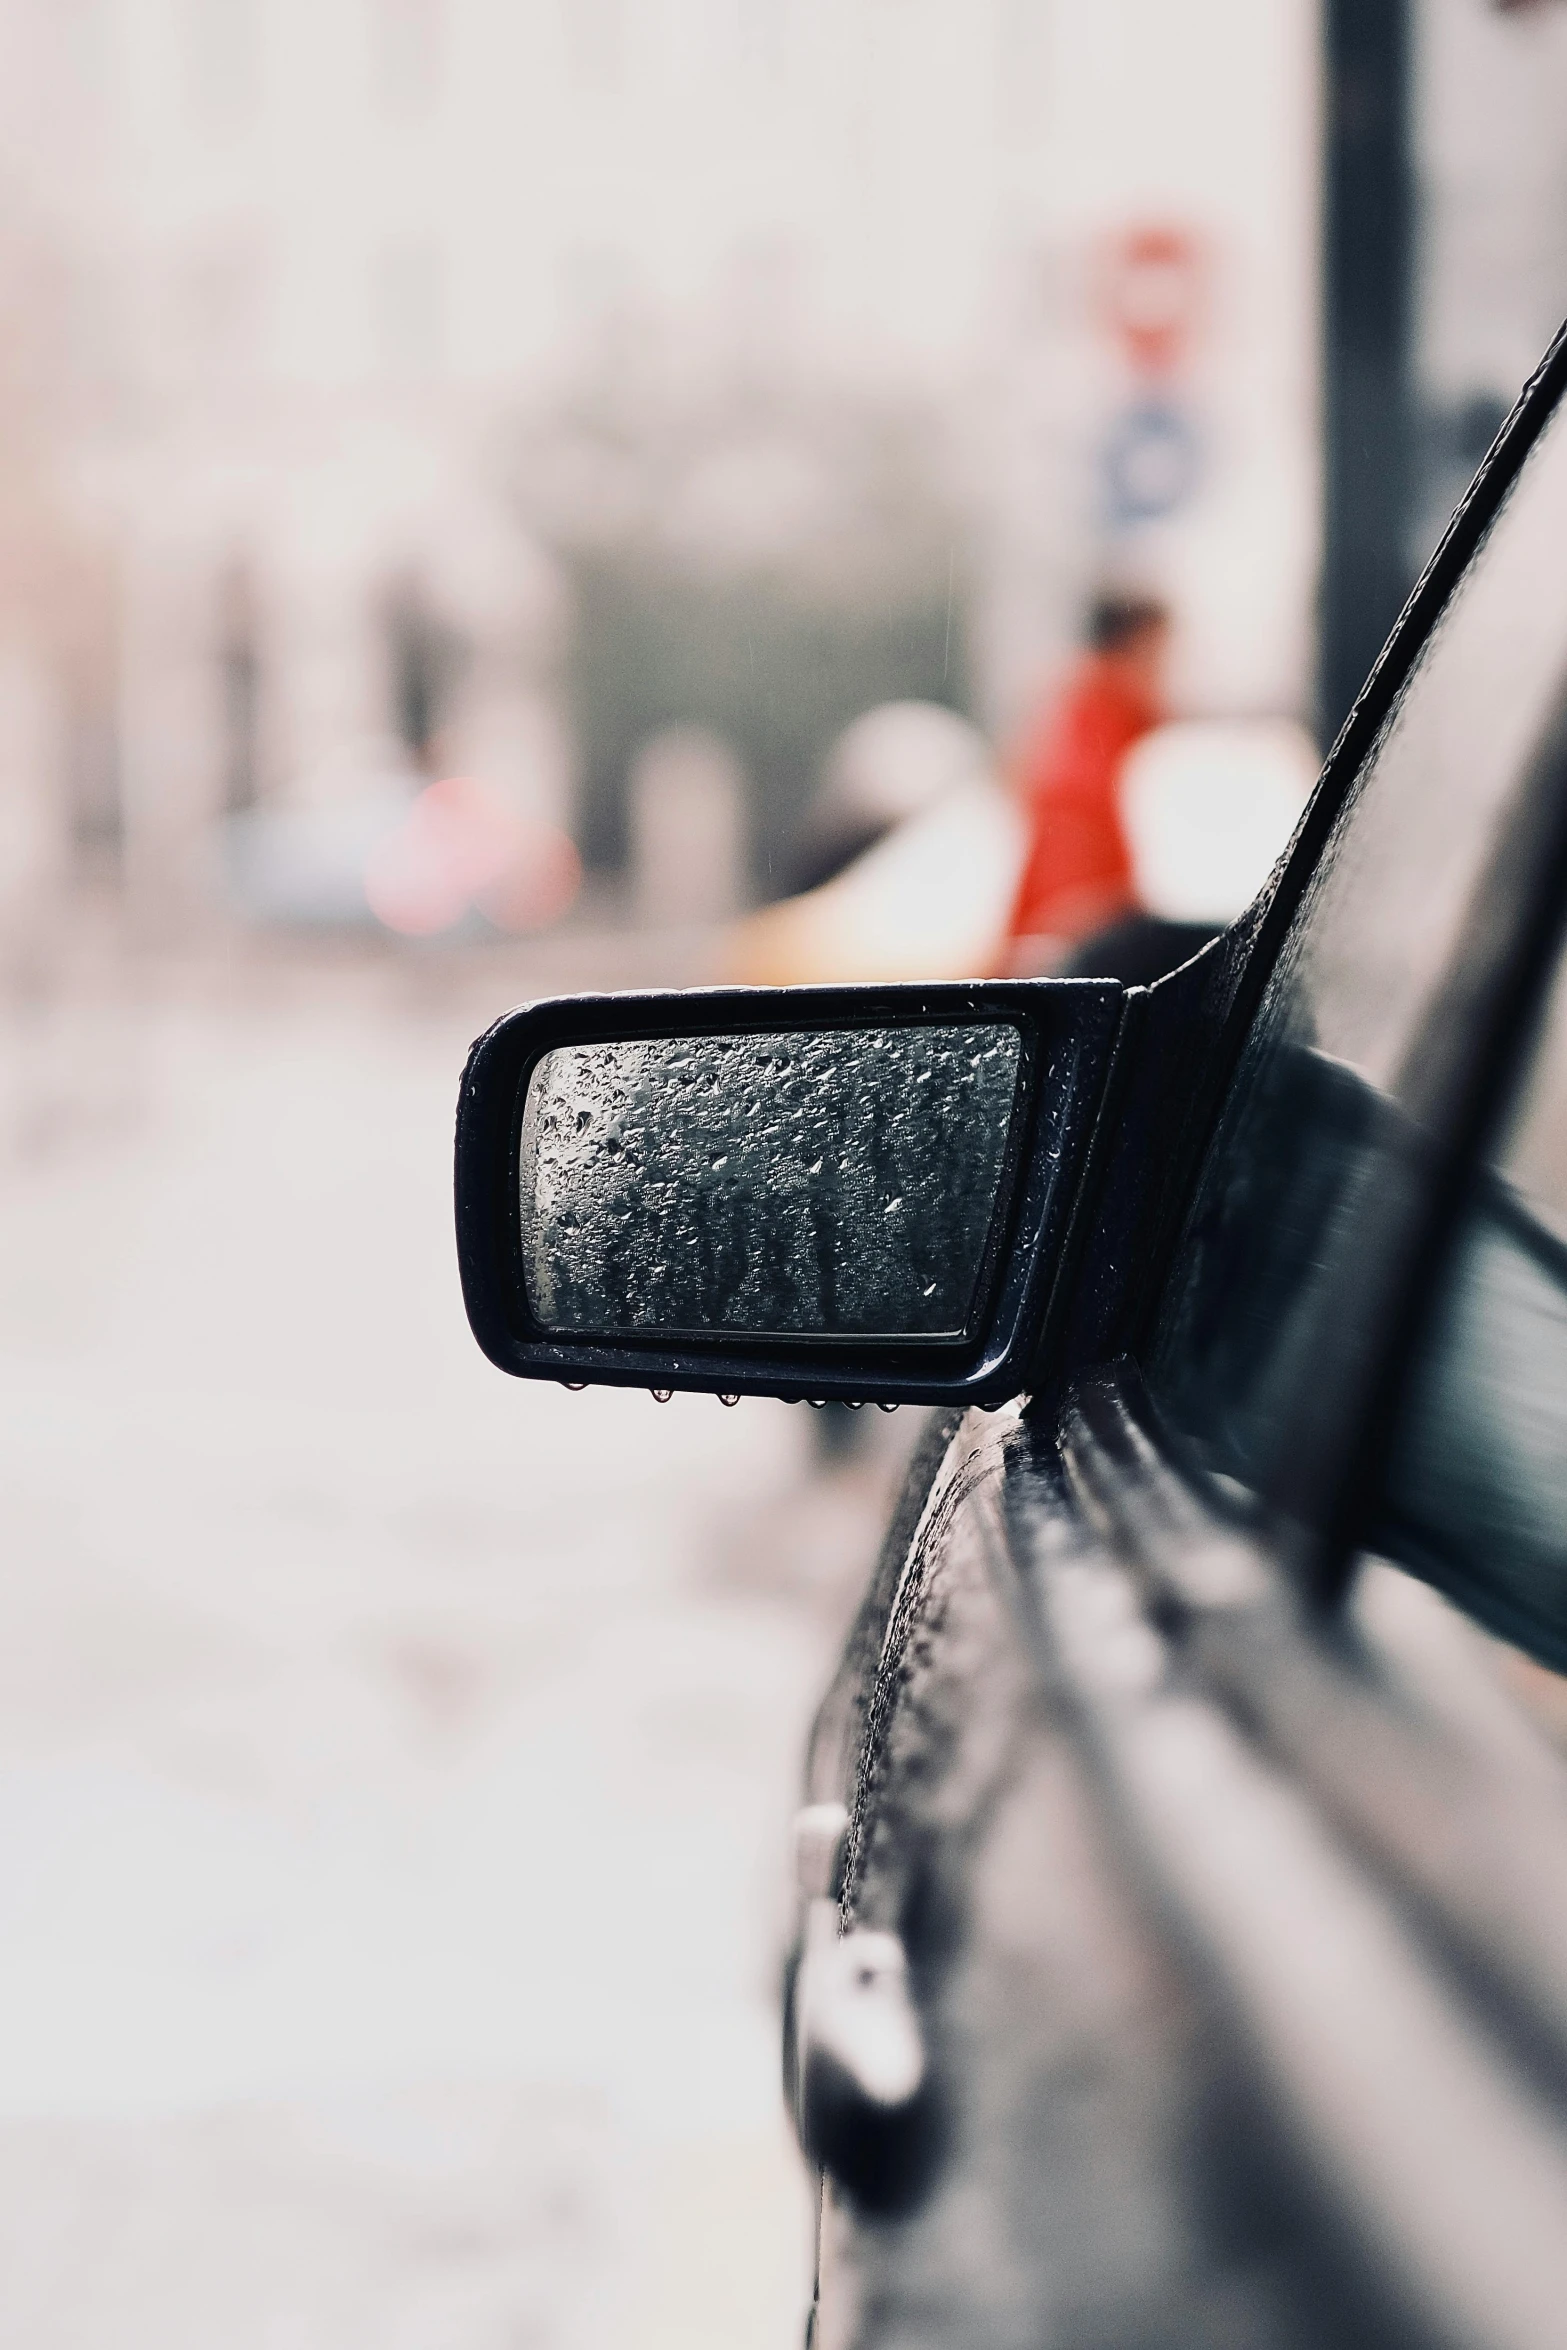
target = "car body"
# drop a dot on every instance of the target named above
(1183, 1856)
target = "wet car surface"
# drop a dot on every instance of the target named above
(1183, 1864)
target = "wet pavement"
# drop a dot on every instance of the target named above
(395, 1760)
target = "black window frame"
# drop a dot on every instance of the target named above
(1460, 1073)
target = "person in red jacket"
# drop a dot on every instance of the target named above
(1077, 870)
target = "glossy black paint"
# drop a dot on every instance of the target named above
(1068, 1028)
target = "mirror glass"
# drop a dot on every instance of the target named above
(823, 1183)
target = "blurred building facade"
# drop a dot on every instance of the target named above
(399, 379)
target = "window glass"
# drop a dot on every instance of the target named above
(1320, 1083)
(1475, 1494)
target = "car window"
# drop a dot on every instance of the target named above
(1475, 1492)
(1321, 1085)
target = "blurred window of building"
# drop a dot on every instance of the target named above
(408, 55)
(426, 658)
(595, 42)
(92, 773)
(408, 309)
(223, 60)
(239, 672)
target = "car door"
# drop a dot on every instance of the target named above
(1194, 1745)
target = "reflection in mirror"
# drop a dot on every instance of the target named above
(827, 1183)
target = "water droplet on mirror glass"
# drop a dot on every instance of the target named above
(667, 1165)
(886, 1407)
(574, 1386)
(729, 1400)
(661, 1394)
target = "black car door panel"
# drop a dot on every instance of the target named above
(1184, 1881)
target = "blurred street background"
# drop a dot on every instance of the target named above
(395, 1772)
(474, 475)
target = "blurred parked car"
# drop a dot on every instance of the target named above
(890, 764)
(395, 853)
(1183, 1861)
(908, 861)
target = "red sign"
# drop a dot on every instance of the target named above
(1152, 284)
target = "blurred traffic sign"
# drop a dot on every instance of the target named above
(1150, 462)
(1152, 287)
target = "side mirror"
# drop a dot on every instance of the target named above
(857, 1193)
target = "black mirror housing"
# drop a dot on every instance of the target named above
(1059, 1036)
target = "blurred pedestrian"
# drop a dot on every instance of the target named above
(1077, 869)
